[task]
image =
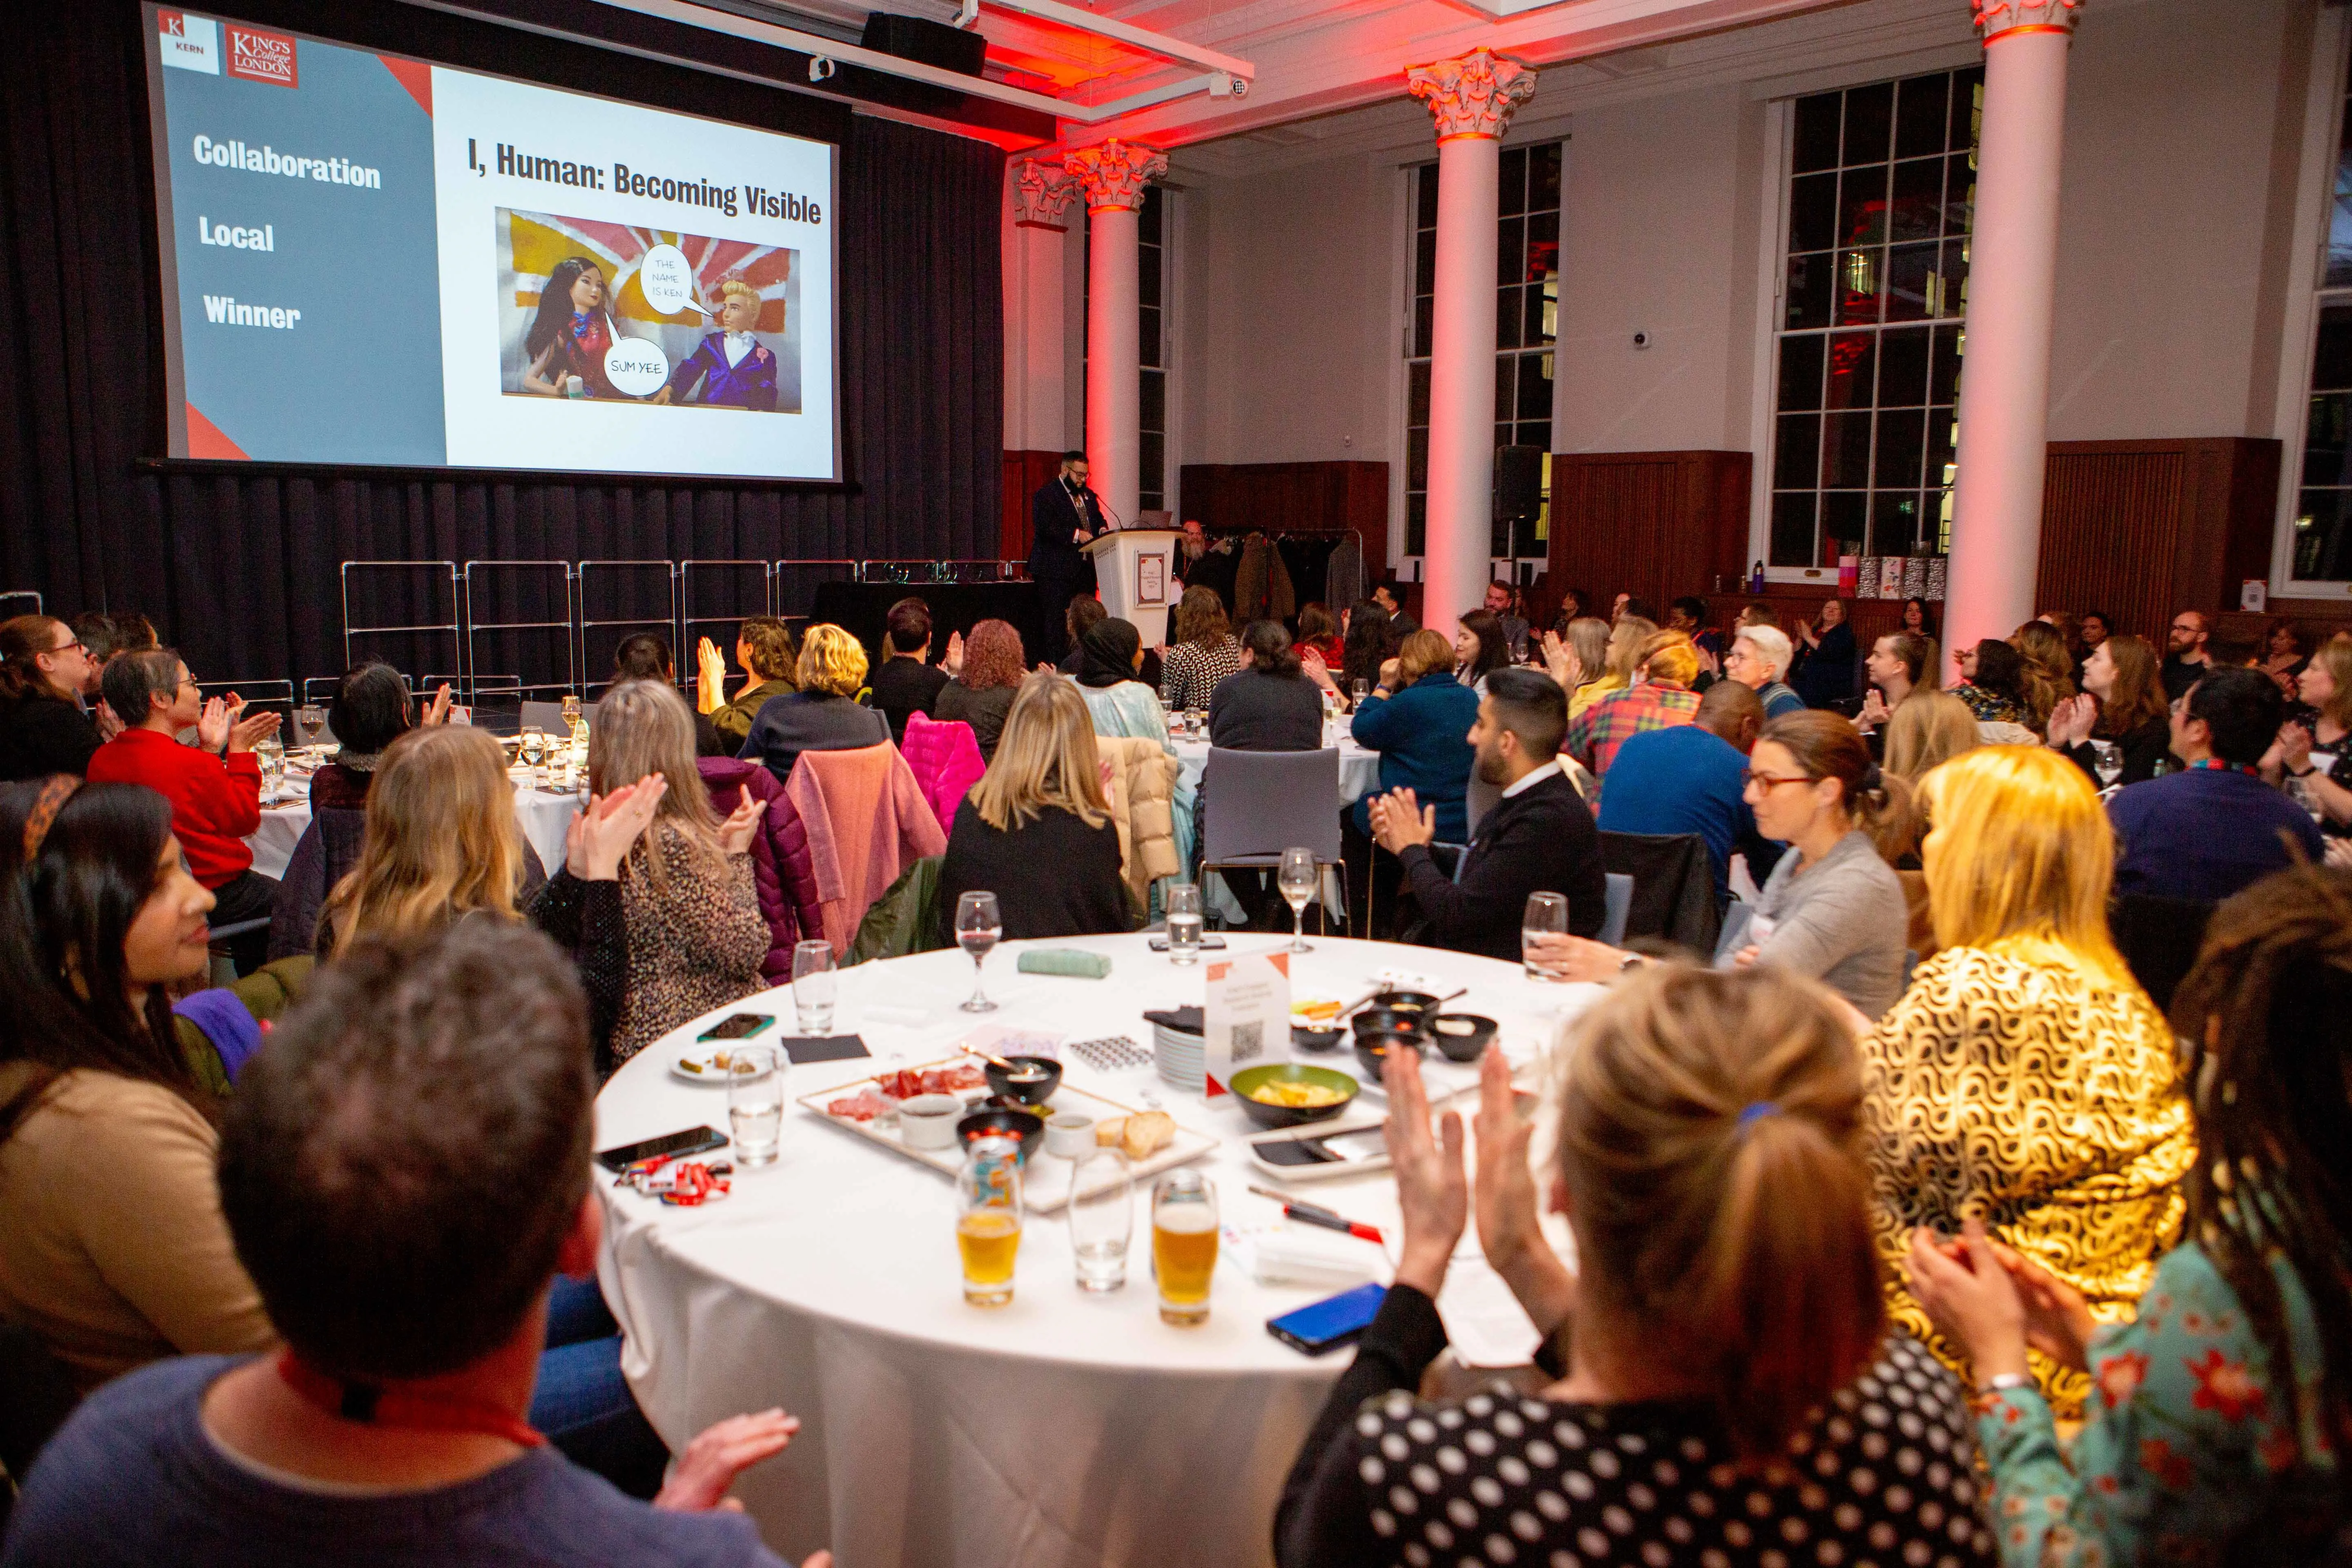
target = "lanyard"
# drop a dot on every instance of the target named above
(2215, 765)
(373, 1407)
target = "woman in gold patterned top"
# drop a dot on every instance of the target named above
(2025, 1077)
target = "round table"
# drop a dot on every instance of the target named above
(1063, 1429)
(1360, 766)
(542, 814)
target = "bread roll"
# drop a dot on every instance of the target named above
(1147, 1132)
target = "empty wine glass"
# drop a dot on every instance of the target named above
(1297, 879)
(978, 925)
(2108, 757)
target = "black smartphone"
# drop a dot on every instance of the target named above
(1323, 1326)
(736, 1026)
(693, 1140)
(1209, 939)
(1333, 1149)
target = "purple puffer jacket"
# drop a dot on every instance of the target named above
(781, 869)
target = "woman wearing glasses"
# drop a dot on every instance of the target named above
(43, 729)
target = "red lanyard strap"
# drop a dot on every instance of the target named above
(371, 1406)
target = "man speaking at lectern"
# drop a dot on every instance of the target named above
(1063, 515)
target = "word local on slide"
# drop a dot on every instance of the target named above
(732, 200)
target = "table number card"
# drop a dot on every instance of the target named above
(1246, 1015)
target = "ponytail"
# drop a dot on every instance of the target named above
(1877, 802)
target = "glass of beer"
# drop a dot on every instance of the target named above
(1184, 1245)
(988, 1219)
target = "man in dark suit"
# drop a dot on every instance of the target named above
(1539, 838)
(1063, 515)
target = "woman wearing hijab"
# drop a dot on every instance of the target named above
(1110, 655)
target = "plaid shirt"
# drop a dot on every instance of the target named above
(1594, 736)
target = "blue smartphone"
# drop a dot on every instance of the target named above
(1323, 1326)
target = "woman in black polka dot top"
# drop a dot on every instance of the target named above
(1730, 1394)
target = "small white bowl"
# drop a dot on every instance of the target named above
(929, 1121)
(1069, 1134)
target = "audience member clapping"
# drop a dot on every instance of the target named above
(2129, 710)
(215, 786)
(1991, 683)
(908, 682)
(2025, 1077)
(824, 715)
(1927, 730)
(2316, 749)
(2046, 671)
(695, 936)
(1826, 673)
(1692, 778)
(1205, 653)
(1726, 1385)
(403, 1170)
(45, 673)
(1269, 704)
(1579, 660)
(1318, 634)
(2209, 1440)
(1371, 642)
(1036, 830)
(1661, 695)
(764, 648)
(646, 655)
(985, 671)
(1900, 663)
(370, 710)
(2206, 832)
(1418, 718)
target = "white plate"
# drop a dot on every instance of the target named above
(700, 1064)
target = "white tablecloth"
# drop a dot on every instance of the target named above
(542, 815)
(1360, 766)
(1063, 1430)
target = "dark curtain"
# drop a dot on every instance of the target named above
(242, 571)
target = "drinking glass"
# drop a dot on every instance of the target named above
(311, 718)
(1184, 1245)
(571, 713)
(534, 749)
(988, 1219)
(1547, 913)
(1297, 879)
(814, 982)
(271, 754)
(1102, 1217)
(755, 1102)
(1360, 688)
(977, 926)
(2108, 757)
(1183, 922)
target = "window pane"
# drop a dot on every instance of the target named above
(1151, 411)
(1920, 115)
(1416, 392)
(1146, 222)
(1951, 289)
(1869, 123)
(1425, 197)
(1535, 390)
(1903, 367)
(1816, 145)
(2340, 220)
(2323, 536)
(1147, 333)
(1535, 433)
(1944, 380)
(1902, 435)
(1862, 277)
(1424, 262)
(1914, 283)
(1862, 206)
(1152, 456)
(1542, 317)
(1514, 182)
(1968, 108)
(1938, 522)
(1416, 459)
(1506, 381)
(1416, 525)
(1813, 212)
(1507, 317)
(1893, 523)
(1808, 301)
(2324, 442)
(1854, 369)
(1511, 250)
(1918, 209)
(1543, 246)
(1502, 435)
(1845, 453)
(2331, 367)
(1792, 529)
(1800, 372)
(1796, 464)
(1943, 430)
(1959, 195)
(1543, 178)
(1844, 518)
(1421, 314)
(1147, 275)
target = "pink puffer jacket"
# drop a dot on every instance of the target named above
(781, 869)
(945, 758)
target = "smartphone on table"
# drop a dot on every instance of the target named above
(736, 1026)
(1322, 1327)
(693, 1140)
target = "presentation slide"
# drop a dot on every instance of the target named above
(373, 260)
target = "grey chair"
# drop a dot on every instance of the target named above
(1734, 937)
(545, 717)
(1619, 903)
(1255, 804)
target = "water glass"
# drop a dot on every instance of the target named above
(755, 1102)
(1184, 906)
(1184, 1245)
(1102, 1218)
(532, 752)
(1298, 880)
(815, 984)
(1546, 915)
(1360, 688)
(2108, 757)
(978, 925)
(988, 1219)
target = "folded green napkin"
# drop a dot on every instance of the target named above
(1065, 961)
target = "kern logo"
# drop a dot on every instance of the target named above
(190, 43)
(261, 56)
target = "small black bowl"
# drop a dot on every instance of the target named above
(1025, 1125)
(1315, 1039)
(1029, 1091)
(1384, 1020)
(1372, 1050)
(1458, 1044)
(1404, 1001)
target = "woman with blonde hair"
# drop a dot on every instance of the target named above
(2024, 1079)
(824, 715)
(1580, 662)
(2325, 688)
(1205, 652)
(1036, 830)
(695, 936)
(1927, 729)
(1723, 1376)
(2123, 702)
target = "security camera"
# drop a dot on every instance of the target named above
(1640, 340)
(821, 67)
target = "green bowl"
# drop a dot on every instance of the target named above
(1265, 1115)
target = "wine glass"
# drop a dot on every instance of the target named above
(1547, 913)
(977, 924)
(1360, 688)
(572, 712)
(2108, 757)
(534, 749)
(1297, 879)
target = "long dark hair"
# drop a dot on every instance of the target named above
(1494, 649)
(2267, 1015)
(2000, 669)
(68, 910)
(1372, 642)
(555, 304)
(1269, 648)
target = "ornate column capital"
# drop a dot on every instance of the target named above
(1041, 195)
(1473, 94)
(1114, 172)
(2000, 18)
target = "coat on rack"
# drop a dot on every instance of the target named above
(1262, 589)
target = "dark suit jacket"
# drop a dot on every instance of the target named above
(1541, 839)
(1053, 523)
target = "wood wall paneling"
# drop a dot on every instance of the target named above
(1654, 524)
(1301, 497)
(2141, 528)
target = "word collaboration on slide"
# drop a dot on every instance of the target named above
(374, 260)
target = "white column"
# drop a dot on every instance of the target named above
(2004, 413)
(1113, 174)
(1472, 99)
(1035, 329)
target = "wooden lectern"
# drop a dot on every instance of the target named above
(1135, 569)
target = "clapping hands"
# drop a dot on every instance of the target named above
(710, 676)
(1561, 661)
(1997, 1303)
(1311, 662)
(2072, 719)
(736, 832)
(953, 661)
(699, 1477)
(1432, 1188)
(1399, 820)
(598, 839)
(438, 710)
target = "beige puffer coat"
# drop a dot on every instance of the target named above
(1142, 801)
